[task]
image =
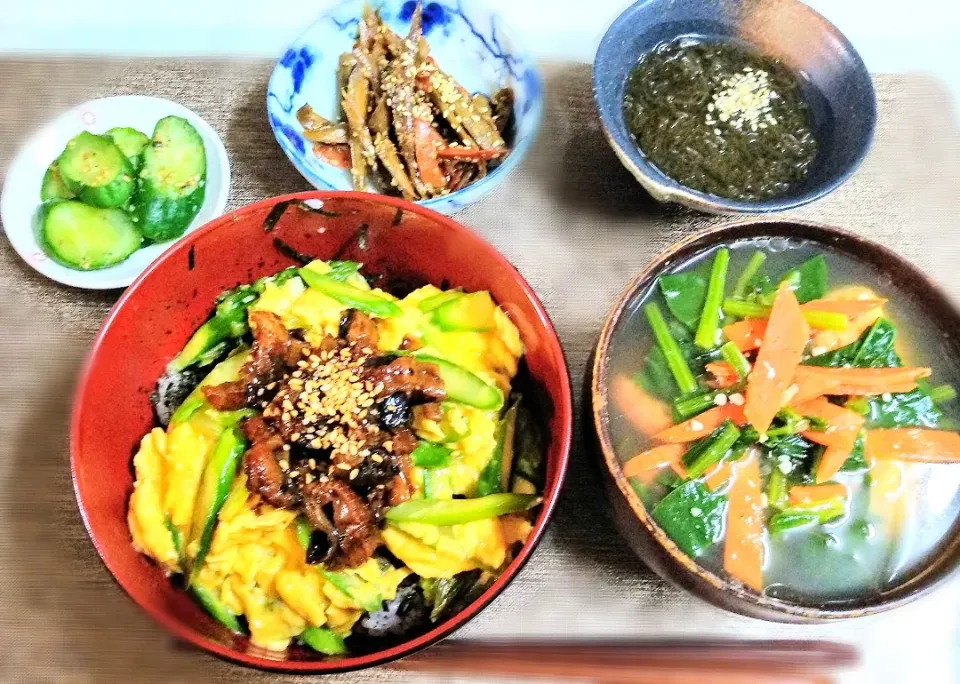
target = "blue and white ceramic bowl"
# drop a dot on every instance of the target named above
(468, 40)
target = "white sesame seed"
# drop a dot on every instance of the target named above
(696, 425)
(736, 399)
(720, 399)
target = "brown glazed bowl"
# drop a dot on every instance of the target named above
(636, 525)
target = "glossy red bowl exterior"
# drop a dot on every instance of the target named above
(158, 313)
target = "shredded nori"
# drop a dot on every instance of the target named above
(666, 110)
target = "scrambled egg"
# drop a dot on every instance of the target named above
(255, 566)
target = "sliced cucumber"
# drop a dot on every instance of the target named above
(431, 303)
(215, 484)
(216, 609)
(473, 312)
(323, 640)
(96, 171)
(87, 238)
(364, 593)
(53, 187)
(348, 295)
(463, 386)
(131, 142)
(172, 180)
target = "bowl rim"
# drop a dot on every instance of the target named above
(665, 189)
(468, 194)
(712, 586)
(564, 437)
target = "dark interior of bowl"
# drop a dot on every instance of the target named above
(928, 321)
(835, 81)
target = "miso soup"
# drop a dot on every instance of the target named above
(787, 415)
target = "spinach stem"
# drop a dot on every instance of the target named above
(732, 355)
(717, 447)
(682, 374)
(752, 268)
(709, 327)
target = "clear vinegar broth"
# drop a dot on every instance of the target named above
(865, 554)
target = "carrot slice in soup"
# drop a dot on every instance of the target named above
(723, 373)
(746, 334)
(851, 308)
(807, 493)
(843, 425)
(814, 381)
(743, 546)
(831, 461)
(777, 360)
(719, 475)
(913, 444)
(654, 458)
(645, 413)
(702, 425)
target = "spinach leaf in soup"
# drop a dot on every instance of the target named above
(692, 516)
(907, 409)
(796, 453)
(808, 280)
(877, 347)
(684, 294)
(857, 460)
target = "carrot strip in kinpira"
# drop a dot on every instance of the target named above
(777, 361)
(702, 425)
(807, 493)
(913, 444)
(815, 381)
(645, 413)
(743, 547)
(658, 456)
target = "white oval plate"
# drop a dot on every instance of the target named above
(21, 190)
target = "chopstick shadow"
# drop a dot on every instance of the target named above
(574, 158)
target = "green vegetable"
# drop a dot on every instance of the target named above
(342, 270)
(52, 187)
(908, 409)
(446, 595)
(495, 477)
(229, 321)
(692, 516)
(95, 170)
(732, 355)
(711, 450)
(364, 593)
(749, 272)
(177, 538)
(131, 142)
(808, 280)
(225, 371)
(876, 348)
(427, 455)
(777, 489)
(323, 640)
(943, 394)
(800, 452)
(708, 330)
(217, 610)
(304, 531)
(431, 303)
(348, 295)
(458, 511)
(215, 484)
(682, 374)
(472, 312)
(669, 479)
(172, 180)
(463, 386)
(655, 377)
(740, 308)
(647, 495)
(807, 513)
(685, 294)
(857, 460)
(87, 238)
(688, 406)
(528, 451)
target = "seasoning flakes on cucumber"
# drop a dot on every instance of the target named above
(108, 195)
(774, 428)
(339, 465)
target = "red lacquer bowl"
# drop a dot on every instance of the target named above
(157, 314)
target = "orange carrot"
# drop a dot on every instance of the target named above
(843, 425)
(777, 361)
(702, 425)
(913, 444)
(719, 475)
(831, 461)
(814, 381)
(746, 334)
(743, 547)
(645, 413)
(723, 373)
(651, 459)
(851, 308)
(818, 492)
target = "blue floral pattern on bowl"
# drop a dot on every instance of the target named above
(467, 39)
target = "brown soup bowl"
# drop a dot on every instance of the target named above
(635, 522)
